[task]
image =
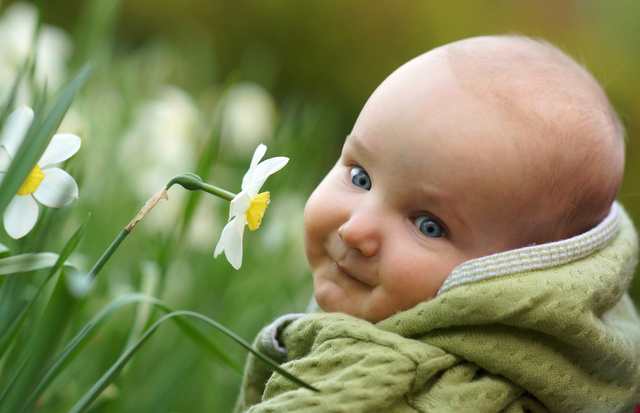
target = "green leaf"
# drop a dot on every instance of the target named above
(51, 324)
(6, 333)
(28, 262)
(41, 345)
(37, 139)
(73, 348)
(76, 345)
(4, 251)
(5, 109)
(117, 367)
(13, 303)
(9, 385)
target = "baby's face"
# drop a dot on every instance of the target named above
(415, 193)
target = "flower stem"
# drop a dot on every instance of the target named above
(188, 181)
(214, 190)
(107, 254)
(193, 182)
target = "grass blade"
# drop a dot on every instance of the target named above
(28, 262)
(11, 326)
(50, 328)
(5, 109)
(41, 345)
(9, 385)
(117, 367)
(76, 345)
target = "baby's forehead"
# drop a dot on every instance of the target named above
(521, 70)
(571, 142)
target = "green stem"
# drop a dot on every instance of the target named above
(214, 190)
(193, 182)
(188, 181)
(107, 254)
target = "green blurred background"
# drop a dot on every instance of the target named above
(301, 70)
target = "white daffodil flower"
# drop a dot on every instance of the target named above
(51, 186)
(248, 207)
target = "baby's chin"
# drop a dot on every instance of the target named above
(331, 301)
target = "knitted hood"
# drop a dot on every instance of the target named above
(546, 328)
(554, 319)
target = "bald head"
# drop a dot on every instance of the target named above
(567, 135)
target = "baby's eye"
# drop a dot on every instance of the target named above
(360, 178)
(429, 227)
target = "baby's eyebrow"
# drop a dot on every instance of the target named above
(357, 145)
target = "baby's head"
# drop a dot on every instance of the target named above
(477, 147)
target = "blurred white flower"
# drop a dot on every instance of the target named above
(160, 144)
(205, 221)
(18, 34)
(161, 140)
(53, 49)
(51, 186)
(18, 27)
(248, 207)
(249, 117)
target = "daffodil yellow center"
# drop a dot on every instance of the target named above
(32, 182)
(256, 210)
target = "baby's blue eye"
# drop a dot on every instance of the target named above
(429, 227)
(360, 178)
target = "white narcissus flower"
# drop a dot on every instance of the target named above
(248, 118)
(51, 186)
(19, 33)
(248, 207)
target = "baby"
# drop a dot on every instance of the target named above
(466, 248)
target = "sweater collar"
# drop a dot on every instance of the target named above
(536, 257)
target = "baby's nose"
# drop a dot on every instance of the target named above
(360, 232)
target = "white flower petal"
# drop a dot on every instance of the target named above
(62, 147)
(231, 243)
(257, 156)
(57, 189)
(240, 204)
(220, 246)
(20, 216)
(263, 171)
(15, 129)
(240, 222)
(5, 161)
(269, 167)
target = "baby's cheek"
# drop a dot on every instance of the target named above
(413, 284)
(313, 212)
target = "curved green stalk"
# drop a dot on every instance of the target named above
(117, 367)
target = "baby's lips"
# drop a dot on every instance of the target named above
(357, 276)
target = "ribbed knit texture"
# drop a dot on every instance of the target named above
(562, 339)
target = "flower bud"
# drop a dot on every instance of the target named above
(187, 180)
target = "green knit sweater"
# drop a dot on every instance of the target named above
(547, 328)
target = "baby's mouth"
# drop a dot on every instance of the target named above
(342, 270)
(348, 274)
